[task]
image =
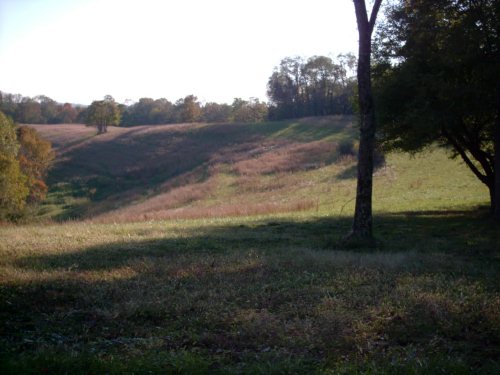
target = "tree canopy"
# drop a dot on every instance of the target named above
(35, 156)
(24, 160)
(38, 110)
(13, 187)
(317, 86)
(438, 80)
(103, 113)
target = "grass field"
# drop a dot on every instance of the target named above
(198, 171)
(213, 249)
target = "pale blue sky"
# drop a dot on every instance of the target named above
(81, 50)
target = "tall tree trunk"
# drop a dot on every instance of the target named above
(362, 224)
(496, 165)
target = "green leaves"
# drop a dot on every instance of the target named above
(13, 189)
(437, 79)
(102, 113)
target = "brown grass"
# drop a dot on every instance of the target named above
(191, 170)
(289, 157)
(165, 202)
(217, 211)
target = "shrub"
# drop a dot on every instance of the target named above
(346, 148)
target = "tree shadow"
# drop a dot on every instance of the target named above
(459, 231)
(244, 288)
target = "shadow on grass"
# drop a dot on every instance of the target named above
(459, 232)
(237, 293)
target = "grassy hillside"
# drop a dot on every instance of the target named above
(195, 171)
(251, 280)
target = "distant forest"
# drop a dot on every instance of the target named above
(298, 87)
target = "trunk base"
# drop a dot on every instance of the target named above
(355, 240)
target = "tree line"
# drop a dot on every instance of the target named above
(190, 109)
(40, 110)
(298, 87)
(147, 111)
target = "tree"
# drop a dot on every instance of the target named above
(9, 103)
(317, 86)
(285, 88)
(13, 190)
(103, 113)
(214, 112)
(66, 114)
(49, 109)
(28, 111)
(252, 110)
(189, 109)
(362, 224)
(162, 112)
(35, 156)
(438, 81)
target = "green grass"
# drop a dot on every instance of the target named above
(251, 296)
(272, 293)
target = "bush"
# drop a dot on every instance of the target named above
(346, 148)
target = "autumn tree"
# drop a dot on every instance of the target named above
(38, 110)
(35, 156)
(13, 189)
(67, 114)
(189, 109)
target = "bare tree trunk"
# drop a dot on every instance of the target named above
(496, 165)
(362, 224)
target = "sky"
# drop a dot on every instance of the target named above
(78, 51)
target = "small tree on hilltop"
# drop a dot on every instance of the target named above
(102, 113)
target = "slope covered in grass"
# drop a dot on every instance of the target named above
(195, 171)
(228, 293)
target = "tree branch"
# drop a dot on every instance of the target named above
(465, 158)
(472, 144)
(361, 16)
(373, 16)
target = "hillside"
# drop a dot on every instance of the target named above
(196, 171)
(255, 282)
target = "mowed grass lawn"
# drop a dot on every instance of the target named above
(266, 294)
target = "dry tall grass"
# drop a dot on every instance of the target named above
(193, 171)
